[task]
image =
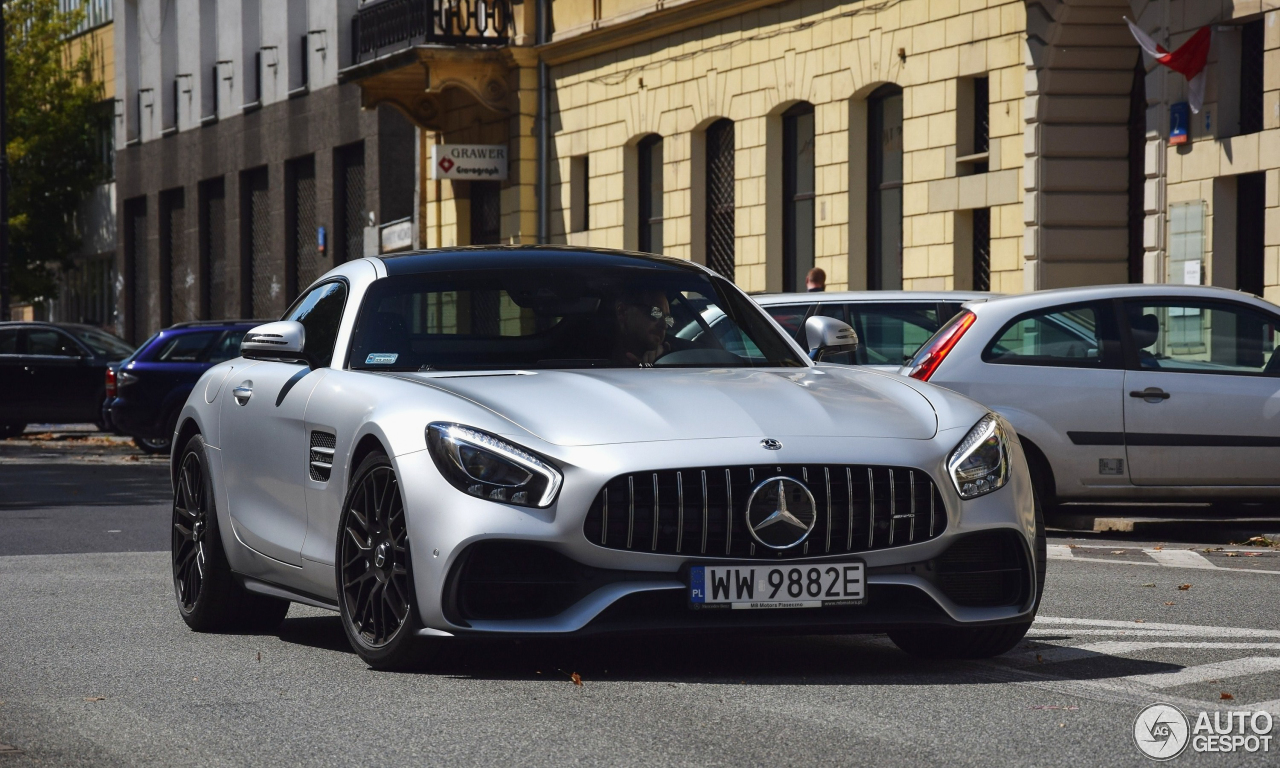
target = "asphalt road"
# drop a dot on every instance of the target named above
(96, 668)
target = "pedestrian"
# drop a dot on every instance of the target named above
(816, 280)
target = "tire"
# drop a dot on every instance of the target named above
(210, 599)
(152, 445)
(11, 430)
(977, 642)
(375, 569)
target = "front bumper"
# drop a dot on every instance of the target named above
(632, 591)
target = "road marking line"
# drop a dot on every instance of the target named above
(1139, 633)
(1191, 630)
(1272, 706)
(1059, 552)
(1180, 558)
(1218, 670)
(1162, 565)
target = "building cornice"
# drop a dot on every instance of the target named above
(663, 18)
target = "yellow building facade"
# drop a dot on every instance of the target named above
(1007, 145)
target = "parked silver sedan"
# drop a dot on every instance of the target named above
(526, 441)
(1125, 392)
(891, 325)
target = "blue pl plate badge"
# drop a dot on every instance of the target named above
(697, 581)
(381, 358)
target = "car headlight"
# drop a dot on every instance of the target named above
(980, 463)
(484, 466)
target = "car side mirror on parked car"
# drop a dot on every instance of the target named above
(284, 340)
(828, 336)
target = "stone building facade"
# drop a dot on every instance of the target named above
(244, 170)
(1004, 144)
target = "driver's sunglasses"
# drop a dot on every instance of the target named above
(656, 314)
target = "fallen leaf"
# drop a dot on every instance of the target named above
(1169, 603)
(1117, 551)
(1139, 621)
(1159, 547)
(1073, 546)
(1184, 587)
(259, 655)
(1039, 658)
(1237, 554)
(1252, 554)
(1225, 696)
(95, 698)
(1062, 725)
(1148, 585)
(576, 678)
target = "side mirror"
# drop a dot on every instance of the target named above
(828, 336)
(284, 340)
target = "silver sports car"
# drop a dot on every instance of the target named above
(551, 441)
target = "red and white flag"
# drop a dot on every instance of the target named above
(1188, 60)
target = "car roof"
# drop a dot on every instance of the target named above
(1050, 297)
(515, 256)
(872, 296)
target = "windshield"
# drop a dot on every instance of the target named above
(602, 317)
(103, 343)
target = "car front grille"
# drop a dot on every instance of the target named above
(984, 569)
(701, 512)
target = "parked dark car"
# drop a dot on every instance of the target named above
(153, 383)
(53, 372)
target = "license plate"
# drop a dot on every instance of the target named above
(777, 586)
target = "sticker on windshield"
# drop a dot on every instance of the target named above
(381, 358)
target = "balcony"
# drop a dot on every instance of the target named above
(383, 26)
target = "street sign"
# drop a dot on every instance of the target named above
(471, 162)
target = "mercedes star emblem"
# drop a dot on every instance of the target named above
(781, 512)
(770, 444)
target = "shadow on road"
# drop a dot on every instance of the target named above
(721, 659)
(28, 486)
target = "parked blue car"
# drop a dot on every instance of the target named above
(152, 384)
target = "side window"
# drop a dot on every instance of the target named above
(185, 347)
(46, 341)
(8, 341)
(790, 316)
(1062, 336)
(226, 348)
(890, 334)
(320, 312)
(1203, 337)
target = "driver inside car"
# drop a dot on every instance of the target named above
(643, 319)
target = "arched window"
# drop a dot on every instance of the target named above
(650, 194)
(720, 198)
(797, 195)
(884, 189)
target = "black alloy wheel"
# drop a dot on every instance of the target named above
(190, 530)
(153, 445)
(210, 599)
(375, 582)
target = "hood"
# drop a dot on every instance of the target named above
(593, 407)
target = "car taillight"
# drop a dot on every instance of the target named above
(111, 382)
(936, 349)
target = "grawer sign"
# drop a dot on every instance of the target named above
(472, 162)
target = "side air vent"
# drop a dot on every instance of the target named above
(322, 444)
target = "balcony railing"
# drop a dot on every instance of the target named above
(383, 24)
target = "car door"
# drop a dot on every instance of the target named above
(264, 442)
(1202, 403)
(13, 378)
(60, 377)
(1056, 374)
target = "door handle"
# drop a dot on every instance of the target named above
(242, 393)
(1150, 394)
